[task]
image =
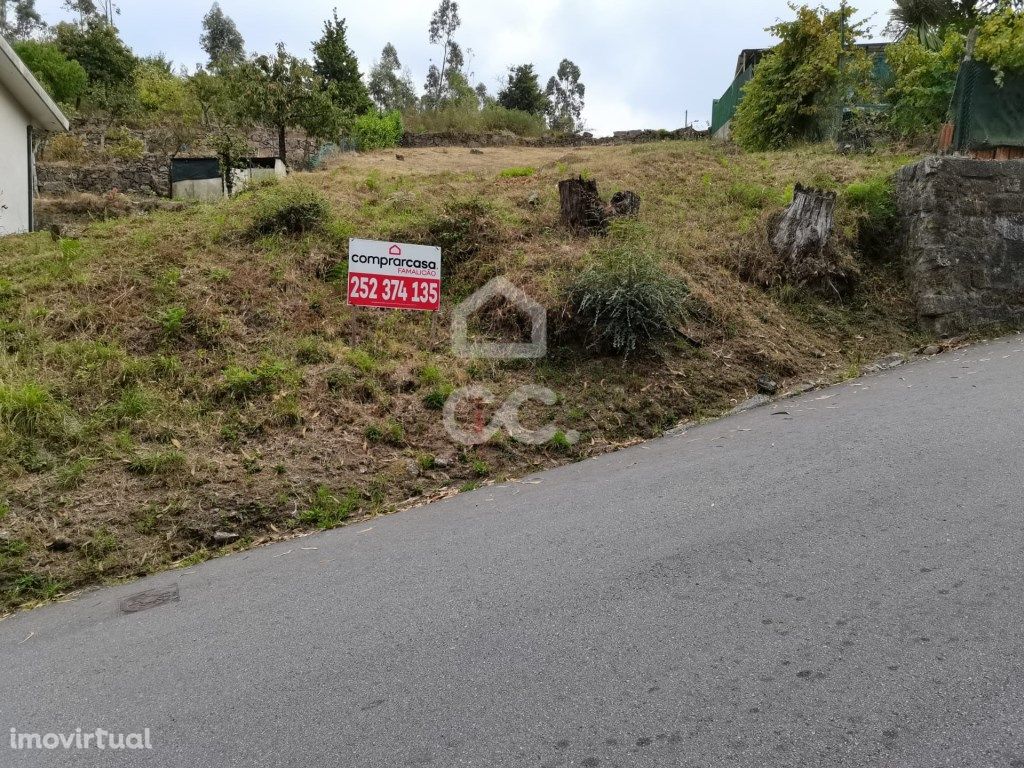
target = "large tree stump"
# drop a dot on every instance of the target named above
(583, 211)
(802, 247)
(804, 230)
(806, 246)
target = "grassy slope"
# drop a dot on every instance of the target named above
(167, 378)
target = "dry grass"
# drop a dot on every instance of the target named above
(181, 380)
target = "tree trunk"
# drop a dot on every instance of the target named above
(806, 226)
(804, 245)
(582, 209)
(282, 145)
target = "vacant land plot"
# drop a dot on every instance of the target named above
(189, 383)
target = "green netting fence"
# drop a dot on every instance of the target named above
(987, 115)
(724, 108)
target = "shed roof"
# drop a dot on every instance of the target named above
(27, 91)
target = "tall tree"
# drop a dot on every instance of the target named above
(100, 50)
(64, 80)
(390, 87)
(443, 25)
(565, 95)
(335, 62)
(221, 39)
(282, 92)
(522, 91)
(19, 19)
(89, 9)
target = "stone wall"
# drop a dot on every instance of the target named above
(146, 177)
(962, 223)
(98, 172)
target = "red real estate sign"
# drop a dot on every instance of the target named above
(394, 275)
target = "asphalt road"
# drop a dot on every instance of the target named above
(834, 580)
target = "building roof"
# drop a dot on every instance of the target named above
(752, 56)
(22, 84)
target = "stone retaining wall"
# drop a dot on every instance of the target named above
(145, 177)
(962, 224)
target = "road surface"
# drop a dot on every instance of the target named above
(833, 580)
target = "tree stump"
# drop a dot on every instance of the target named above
(805, 228)
(625, 204)
(804, 246)
(583, 211)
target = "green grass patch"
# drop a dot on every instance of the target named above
(517, 173)
(328, 509)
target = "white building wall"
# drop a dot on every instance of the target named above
(14, 160)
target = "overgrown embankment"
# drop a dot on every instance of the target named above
(189, 383)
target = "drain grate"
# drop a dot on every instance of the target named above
(151, 598)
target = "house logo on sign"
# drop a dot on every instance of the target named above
(395, 250)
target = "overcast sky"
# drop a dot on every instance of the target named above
(644, 62)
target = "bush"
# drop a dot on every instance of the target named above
(495, 118)
(923, 82)
(468, 119)
(288, 209)
(122, 144)
(798, 87)
(625, 302)
(66, 147)
(464, 229)
(1001, 40)
(376, 131)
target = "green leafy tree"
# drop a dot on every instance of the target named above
(443, 25)
(65, 80)
(19, 19)
(284, 92)
(337, 65)
(451, 88)
(169, 106)
(220, 102)
(221, 39)
(377, 131)
(565, 95)
(923, 81)
(484, 96)
(391, 88)
(97, 46)
(108, 62)
(522, 91)
(799, 88)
